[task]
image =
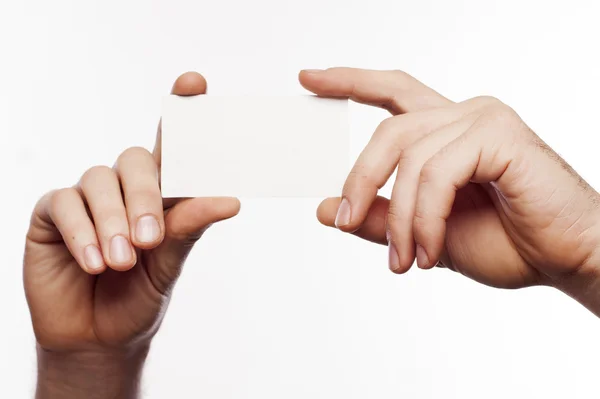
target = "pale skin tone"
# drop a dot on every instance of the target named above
(476, 192)
(94, 306)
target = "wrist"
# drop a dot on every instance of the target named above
(94, 374)
(583, 285)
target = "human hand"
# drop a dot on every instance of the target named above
(477, 191)
(101, 259)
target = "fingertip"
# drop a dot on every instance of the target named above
(235, 206)
(407, 259)
(335, 82)
(338, 212)
(122, 267)
(310, 73)
(311, 79)
(93, 262)
(225, 206)
(424, 258)
(120, 255)
(93, 272)
(125, 265)
(399, 261)
(189, 84)
(429, 235)
(327, 211)
(218, 209)
(148, 232)
(402, 269)
(345, 219)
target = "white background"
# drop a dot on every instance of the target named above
(271, 304)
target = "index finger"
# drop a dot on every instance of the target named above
(395, 91)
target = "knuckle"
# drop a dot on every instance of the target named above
(135, 156)
(398, 212)
(114, 219)
(395, 133)
(385, 127)
(501, 115)
(400, 75)
(395, 219)
(93, 173)
(407, 158)
(430, 172)
(393, 226)
(45, 199)
(143, 197)
(111, 221)
(420, 217)
(485, 101)
(61, 196)
(505, 125)
(419, 221)
(359, 176)
(133, 152)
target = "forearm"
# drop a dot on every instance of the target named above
(91, 375)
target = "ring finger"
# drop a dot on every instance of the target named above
(404, 192)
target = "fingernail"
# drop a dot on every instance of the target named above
(343, 214)
(394, 260)
(422, 259)
(93, 257)
(311, 71)
(120, 250)
(147, 229)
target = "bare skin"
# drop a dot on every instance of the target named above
(476, 191)
(95, 307)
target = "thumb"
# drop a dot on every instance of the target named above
(188, 84)
(184, 225)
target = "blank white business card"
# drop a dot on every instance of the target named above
(246, 146)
